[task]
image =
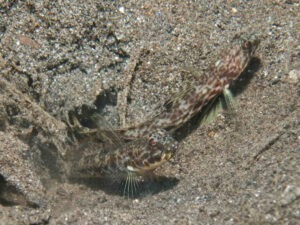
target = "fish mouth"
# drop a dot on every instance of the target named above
(164, 158)
(151, 166)
(254, 45)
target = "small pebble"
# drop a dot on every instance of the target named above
(293, 76)
(290, 194)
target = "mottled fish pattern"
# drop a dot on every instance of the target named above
(192, 101)
(139, 157)
(153, 145)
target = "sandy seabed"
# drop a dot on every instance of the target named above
(125, 58)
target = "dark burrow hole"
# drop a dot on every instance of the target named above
(9, 196)
(104, 104)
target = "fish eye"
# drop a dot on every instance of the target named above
(246, 45)
(152, 142)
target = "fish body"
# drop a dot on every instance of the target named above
(137, 157)
(191, 101)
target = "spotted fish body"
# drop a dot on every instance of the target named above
(136, 158)
(153, 145)
(192, 101)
